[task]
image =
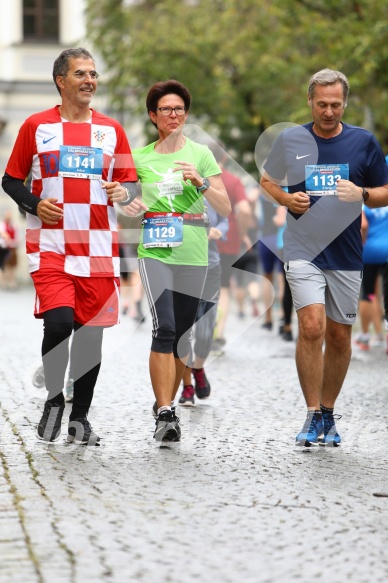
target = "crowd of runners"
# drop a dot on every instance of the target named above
(314, 228)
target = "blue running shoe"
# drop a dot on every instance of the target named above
(330, 436)
(311, 430)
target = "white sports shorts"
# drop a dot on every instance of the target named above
(338, 291)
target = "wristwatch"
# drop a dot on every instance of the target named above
(365, 194)
(205, 185)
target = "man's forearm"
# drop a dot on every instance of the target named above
(378, 197)
(274, 192)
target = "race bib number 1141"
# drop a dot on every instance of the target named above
(80, 162)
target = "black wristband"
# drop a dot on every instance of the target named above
(365, 194)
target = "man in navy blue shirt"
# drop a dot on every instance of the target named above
(330, 169)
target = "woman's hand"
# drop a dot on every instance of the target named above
(214, 234)
(189, 172)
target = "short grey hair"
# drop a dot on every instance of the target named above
(61, 64)
(328, 77)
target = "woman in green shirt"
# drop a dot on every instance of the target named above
(175, 172)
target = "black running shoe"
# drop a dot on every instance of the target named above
(167, 427)
(267, 326)
(49, 427)
(155, 410)
(81, 432)
(287, 336)
(202, 385)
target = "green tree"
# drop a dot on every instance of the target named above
(246, 62)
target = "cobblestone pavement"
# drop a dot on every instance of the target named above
(233, 502)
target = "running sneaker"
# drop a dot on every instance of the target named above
(167, 427)
(202, 385)
(49, 427)
(81, 432)
(362, 341)
(287, 336)
(311, 430)
(377, 341)
(69, 392)
(38, 379)
(155, 410)
(187, 397)
(330, 434)
(267, 326)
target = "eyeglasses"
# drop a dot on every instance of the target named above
(81, 75)
(166, 111)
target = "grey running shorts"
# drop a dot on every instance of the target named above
(338, 291)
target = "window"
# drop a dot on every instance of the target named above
(41, 20)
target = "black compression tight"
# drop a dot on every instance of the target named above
(85, 358)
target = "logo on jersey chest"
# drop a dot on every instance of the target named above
(99, 136)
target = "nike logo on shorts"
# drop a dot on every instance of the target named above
(300, 157)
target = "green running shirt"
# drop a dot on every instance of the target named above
(165, 191)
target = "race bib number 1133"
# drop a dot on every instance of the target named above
(321, 179)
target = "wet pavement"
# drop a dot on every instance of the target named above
(234, 502)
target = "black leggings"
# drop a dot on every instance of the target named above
(173, 293)
(370, 276)
(287, 301)
(85, 358)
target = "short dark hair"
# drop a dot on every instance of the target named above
(61, 64)
(163, 88)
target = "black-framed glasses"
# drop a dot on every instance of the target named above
(166, 111)
(81, 75)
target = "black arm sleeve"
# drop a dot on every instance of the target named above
(15, 188)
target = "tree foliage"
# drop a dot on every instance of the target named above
(245, 62)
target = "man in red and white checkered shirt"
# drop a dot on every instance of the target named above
(81, 164)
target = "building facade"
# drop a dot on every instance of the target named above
(32, 35)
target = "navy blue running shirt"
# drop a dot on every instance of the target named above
(328, 235)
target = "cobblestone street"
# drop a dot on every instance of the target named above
(233, 502)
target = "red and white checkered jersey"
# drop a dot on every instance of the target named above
(85, 243)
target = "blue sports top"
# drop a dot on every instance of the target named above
(328, 235)
(376, 245)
